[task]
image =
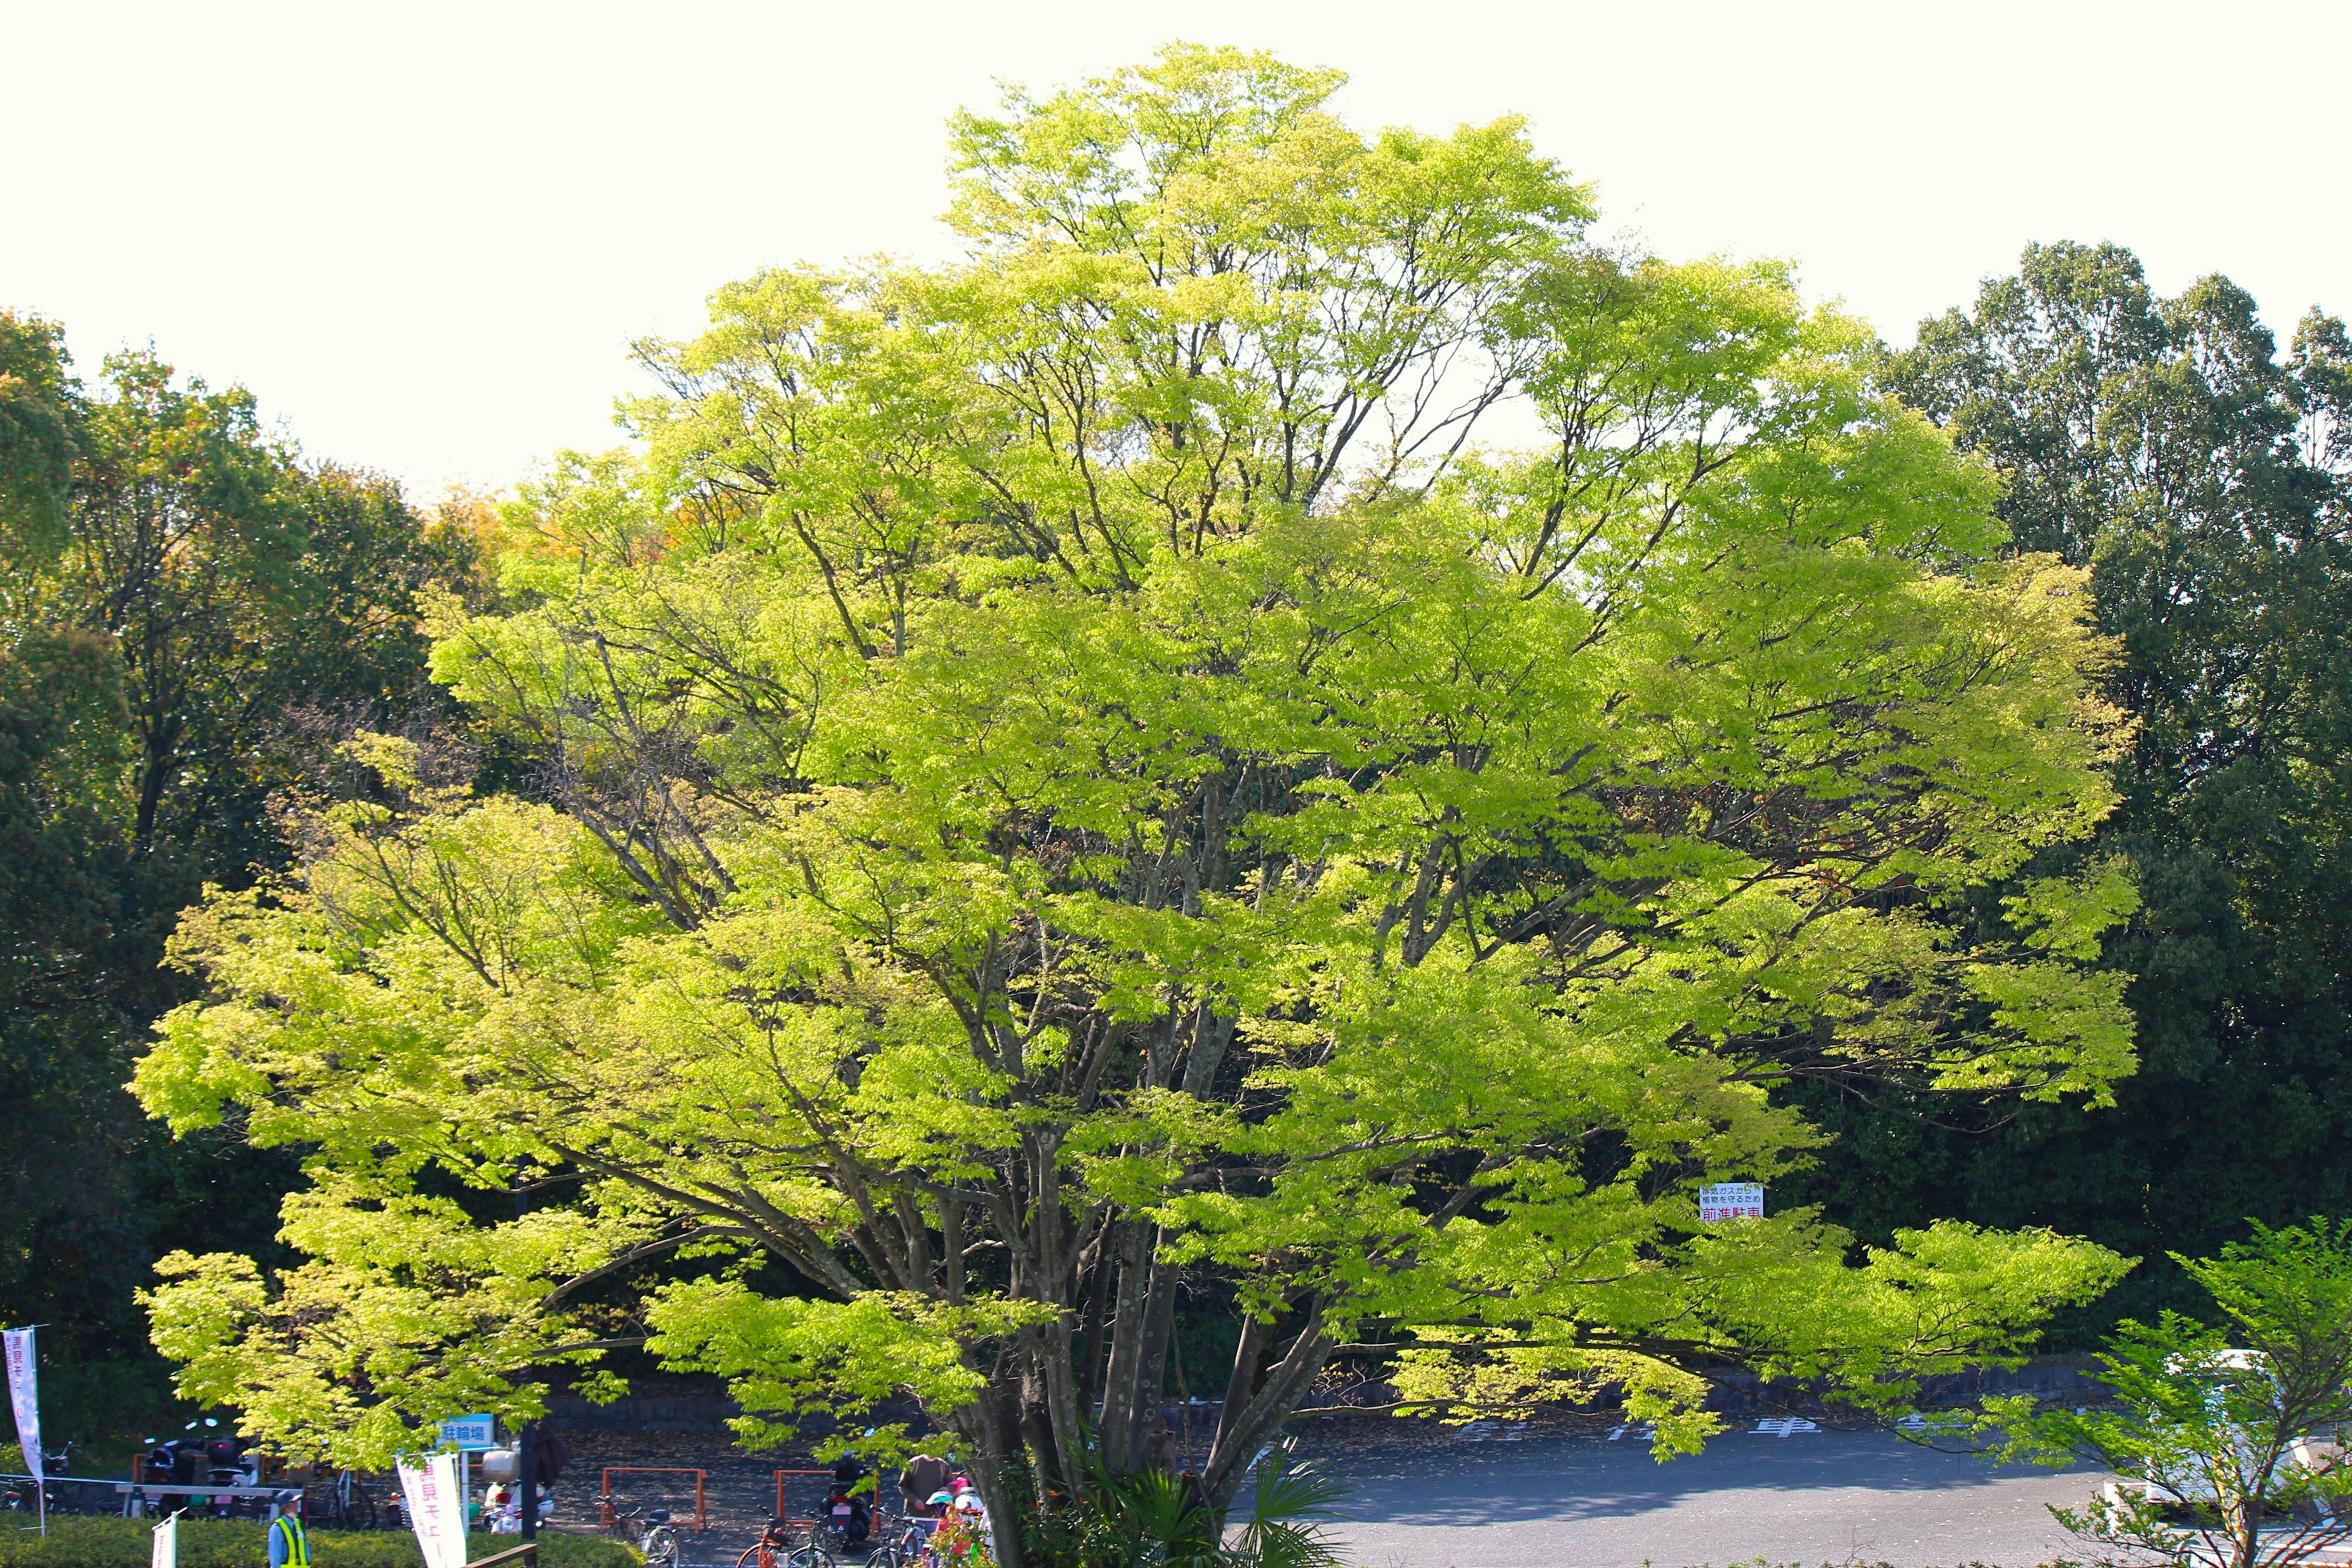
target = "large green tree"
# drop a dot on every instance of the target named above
(2166, 445)
(1066, 777)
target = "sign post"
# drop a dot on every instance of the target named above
(1730, 1200)
(25, 1396)
(469, 1434)
(527, 1481)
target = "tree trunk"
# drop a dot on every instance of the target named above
(1144, 1284)
(1061, 1398)
(984, 1425)
(1243, 1429)
(155, 771)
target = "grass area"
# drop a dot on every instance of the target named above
(80, 1542)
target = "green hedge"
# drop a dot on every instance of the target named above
(79, 1542)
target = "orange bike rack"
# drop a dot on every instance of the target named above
(605, 1503)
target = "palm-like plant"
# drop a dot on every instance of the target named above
(1283, 1529)
(1150, 1518)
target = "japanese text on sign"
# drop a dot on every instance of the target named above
(1731, 1200)
(470, 1433)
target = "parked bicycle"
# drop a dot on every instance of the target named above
(780, 1546)
(650, 1534)
(344, 1503)
(912, 1549)
(59, 1492)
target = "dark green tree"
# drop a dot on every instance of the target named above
(2167, 444)
(37, 450)
(185, 606)
(241, 586)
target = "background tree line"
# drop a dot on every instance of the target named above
(2202, 476)
(186, 605)
(189, 610)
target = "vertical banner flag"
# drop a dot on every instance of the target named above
(24, 1394)
(435, 1509)
(1731, 1200)
(167, 1544)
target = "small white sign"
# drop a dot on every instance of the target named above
(166, 1554)
(1731, 1200)
(470, 1434)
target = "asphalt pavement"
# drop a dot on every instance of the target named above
(1812, 1498)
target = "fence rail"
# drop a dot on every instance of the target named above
(146, 1492)
(528, 1548)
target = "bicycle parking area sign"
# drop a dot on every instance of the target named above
(470, 1434)
(1731, 1200)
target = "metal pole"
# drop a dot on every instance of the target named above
(527, 1481)
(526, 1476)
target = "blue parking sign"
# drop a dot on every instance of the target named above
(470, 1434)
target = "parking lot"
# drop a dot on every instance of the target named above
(1562, 1501)
(1427, 1496)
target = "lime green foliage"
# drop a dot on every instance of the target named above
(2231, 1439)
(78, 1543)
(1065, 775)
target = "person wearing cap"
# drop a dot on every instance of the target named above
(288, 1546)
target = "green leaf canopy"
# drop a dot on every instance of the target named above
(1068, 776)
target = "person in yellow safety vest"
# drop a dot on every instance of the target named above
(288, 1546)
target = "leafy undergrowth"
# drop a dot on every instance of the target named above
(82, 1542)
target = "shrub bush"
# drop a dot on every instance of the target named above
(80, 1542)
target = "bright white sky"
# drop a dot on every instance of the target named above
(425, 232)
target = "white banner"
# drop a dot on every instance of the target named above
(24, 1392)
(167, 1544)
(436, 1509)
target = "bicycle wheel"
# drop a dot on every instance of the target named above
(807, 1557)
(661, 1547)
